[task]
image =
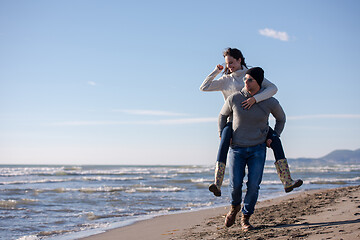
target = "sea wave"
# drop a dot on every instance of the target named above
(101, 178)
(53, 233)
(326, 169)
(269, 170)
(199, 205)
(164, 176)
(75, 171)
(270, 182)
(59, 180)
(37, 181)
(155, 189)
(336, 181)
(93, 216)
(79, 197)
(26, 171)
(83, 190)
(29, 237)
(101, 189)
(192, 180)
(12, 204)
(201, 180)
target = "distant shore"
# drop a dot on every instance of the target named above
(315, 214)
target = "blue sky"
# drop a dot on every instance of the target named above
(117, 82)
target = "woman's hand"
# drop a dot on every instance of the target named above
(231, 140)
(220, 67)
(248, 103)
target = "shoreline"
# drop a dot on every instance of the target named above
(297, 214)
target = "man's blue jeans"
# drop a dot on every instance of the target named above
(226, 135)
(254, 159)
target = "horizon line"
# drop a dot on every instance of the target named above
(194, 120)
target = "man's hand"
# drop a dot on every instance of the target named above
(268, 142)
(248, 103)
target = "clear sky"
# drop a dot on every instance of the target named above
(117, 82)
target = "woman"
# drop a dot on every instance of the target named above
(230, 82)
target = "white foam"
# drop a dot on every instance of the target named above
(30, 237)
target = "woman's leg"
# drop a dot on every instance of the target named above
(276, 145)
(226, 135)
(281, 164)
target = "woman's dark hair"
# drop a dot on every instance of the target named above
(235, 53)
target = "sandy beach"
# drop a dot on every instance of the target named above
(316, 214)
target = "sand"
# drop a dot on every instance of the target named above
(316, 214)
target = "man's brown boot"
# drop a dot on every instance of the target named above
(245, 224)
(231, 216)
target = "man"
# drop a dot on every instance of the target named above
(248, 148)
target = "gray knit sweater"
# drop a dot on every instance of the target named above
(231, 83)
(250, 127)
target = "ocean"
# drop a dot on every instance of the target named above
(69, 202)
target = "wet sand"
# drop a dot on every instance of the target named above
(316, 214)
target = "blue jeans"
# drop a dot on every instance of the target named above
(276, 145)
(254, 159)
(226, 135)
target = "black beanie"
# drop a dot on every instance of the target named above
(257, 73)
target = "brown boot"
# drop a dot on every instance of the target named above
(245, 224)
(231, 216)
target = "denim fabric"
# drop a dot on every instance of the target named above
(276, 145)
(226, 135)
(254, 159)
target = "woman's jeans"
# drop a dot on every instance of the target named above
(254, 159)
(275, 145)
(226, 135)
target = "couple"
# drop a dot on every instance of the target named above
(243, 124)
